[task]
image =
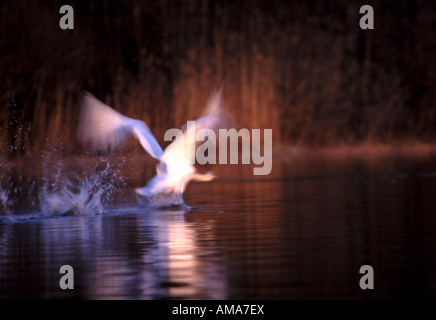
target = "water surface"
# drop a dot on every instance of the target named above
(301, 233)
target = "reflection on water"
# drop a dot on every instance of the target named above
(302, 233)
(138, 254)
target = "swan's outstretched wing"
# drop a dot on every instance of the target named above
(178, 156)
(147, 139)
(215, 116)
(215, 104)
(103, 127)
(176, 168)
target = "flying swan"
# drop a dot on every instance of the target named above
(102, 127)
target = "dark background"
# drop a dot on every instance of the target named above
(303, 68)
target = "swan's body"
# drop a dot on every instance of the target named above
(103, 127)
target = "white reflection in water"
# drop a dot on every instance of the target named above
(167, 266)
(139, 255)
(176, 260)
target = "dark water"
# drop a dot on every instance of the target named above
(302, 233)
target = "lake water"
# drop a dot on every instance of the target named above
(301, 233)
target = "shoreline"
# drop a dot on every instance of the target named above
(358, 151)
(280, 153)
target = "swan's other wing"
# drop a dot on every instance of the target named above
(215, 116)
(215, 108)
(180, 154)
(103, 127)
(215, 103)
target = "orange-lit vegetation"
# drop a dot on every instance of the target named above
(302, 68)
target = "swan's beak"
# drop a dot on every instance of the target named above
(209, 176)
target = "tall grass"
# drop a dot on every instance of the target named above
(303, 69)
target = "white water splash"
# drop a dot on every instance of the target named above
(62, 191)
(86, 194)
(3, 201)
(61, 186)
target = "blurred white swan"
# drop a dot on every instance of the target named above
(101, 126)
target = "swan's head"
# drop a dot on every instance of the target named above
(208, 176)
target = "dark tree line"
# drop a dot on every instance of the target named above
(303, 68)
